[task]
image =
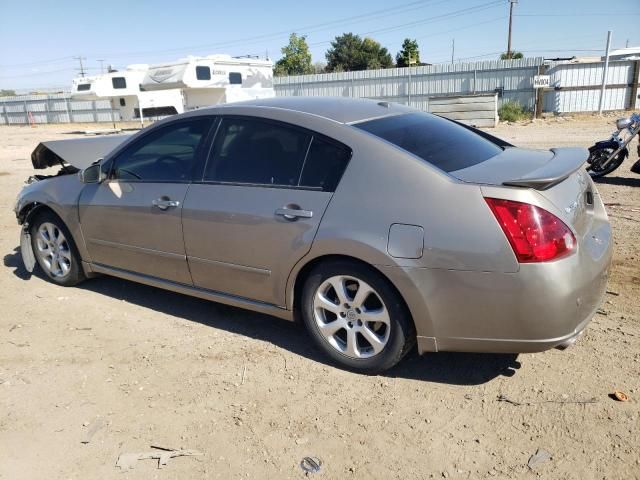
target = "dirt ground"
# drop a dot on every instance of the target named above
(149, 367)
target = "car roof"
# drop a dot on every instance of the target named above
(338, 109)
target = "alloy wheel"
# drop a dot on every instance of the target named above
(351, 316)
(53, 250)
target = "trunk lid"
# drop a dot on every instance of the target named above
(555, 174)
(518, 167)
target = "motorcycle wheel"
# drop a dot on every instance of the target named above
(597, 156)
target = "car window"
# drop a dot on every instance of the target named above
(166, 155)
(440, 142)
(252, 151)
(325, 164)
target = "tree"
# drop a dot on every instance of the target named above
(296, 58)
(349, 53)
(409, 54)
(319, 67)
(514, 56)
(7, 93)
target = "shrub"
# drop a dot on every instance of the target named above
(512, 112)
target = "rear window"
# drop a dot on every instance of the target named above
(439, 141)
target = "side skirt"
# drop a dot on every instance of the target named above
(218, 297)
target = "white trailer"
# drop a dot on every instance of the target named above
(122, 89)
(211, 80)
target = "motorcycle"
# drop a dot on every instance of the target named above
(607, 155)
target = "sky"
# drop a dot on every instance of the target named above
(39, 39)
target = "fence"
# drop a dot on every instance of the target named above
(55, 108)
(574, 87)
(415, 86)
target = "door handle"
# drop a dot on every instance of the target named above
(293, 212)
(163, 203)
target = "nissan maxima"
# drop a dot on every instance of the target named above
(376, 225)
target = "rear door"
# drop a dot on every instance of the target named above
(265, 188)
(132, 220)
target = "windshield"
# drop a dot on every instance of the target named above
(439, 141)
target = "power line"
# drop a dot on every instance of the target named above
(80, 59)
(403, 8)
(456, 13)
(39, 62)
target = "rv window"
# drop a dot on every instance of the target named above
(122, 102)
(165, 155)
(203, 73)
(235, 78)
(84, 86)
(257, 152)
(325, 164)
(119, 82)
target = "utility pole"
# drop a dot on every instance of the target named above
(101, 60)
(79, 58)
(453, 49)
(511, 2)
(604, 74)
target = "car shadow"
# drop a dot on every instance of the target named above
(621, 181)
(444, 367)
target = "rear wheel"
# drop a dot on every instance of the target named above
(55, 251)
(356, 317)
(597, 157)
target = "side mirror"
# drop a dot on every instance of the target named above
(93, 173)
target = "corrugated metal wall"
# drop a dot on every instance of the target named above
(576, 88)
(513, 80)
(415, 85)
(55, 108)
(581, 75)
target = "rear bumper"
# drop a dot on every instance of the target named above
(541, 306)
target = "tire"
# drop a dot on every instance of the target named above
(351, 329)
(55, 250)
(599, 154)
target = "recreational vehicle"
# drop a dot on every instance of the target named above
(171, 88)
(122, 88)
(206, 81)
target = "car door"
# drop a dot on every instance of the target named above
(132, 220)
(265, 188)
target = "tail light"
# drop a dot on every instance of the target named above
(534, 234)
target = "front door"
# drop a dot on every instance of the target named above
(266, 186)
(132, 220)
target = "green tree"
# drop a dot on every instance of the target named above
(349, 52)
(296, 58)
(409, 54)
(514, 56)
(7, 93)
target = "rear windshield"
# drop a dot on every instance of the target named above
(439, 141)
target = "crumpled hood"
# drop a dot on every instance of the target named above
(79, 152)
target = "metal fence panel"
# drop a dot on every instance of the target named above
(416, 85)
(53, 108)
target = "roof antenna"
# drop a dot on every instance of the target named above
(384, 104)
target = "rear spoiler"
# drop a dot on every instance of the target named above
(79, 152)
(564, 162)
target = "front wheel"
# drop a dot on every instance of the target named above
(55, 251)
(356, 317)
(597, 156)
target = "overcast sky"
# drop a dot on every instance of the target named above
(38, 39)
